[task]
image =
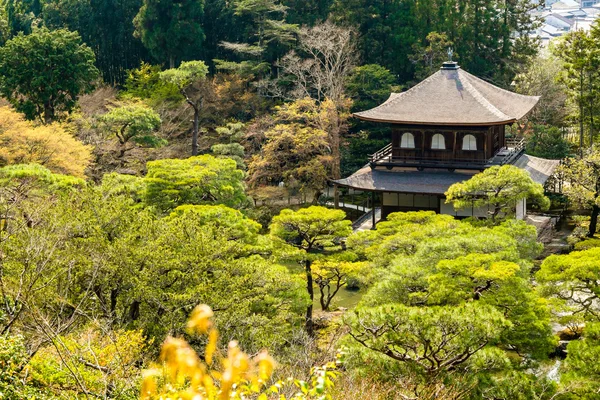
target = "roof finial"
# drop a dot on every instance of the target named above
(450, 54)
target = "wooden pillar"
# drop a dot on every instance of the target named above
(336, 196)
(373, 209)
(454, 147)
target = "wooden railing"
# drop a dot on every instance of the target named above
(382, 155)
(514, 148)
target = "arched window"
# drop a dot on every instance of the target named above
(407, 141)
(469, 143)
(438, 142)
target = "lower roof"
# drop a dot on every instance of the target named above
(435, 182)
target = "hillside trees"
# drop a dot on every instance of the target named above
(491, 37)
(171, 30)
(122, 266)
(104, 25)
(579, 51)
(542, 78)
(269, 30)
(499, 187)
(43, 73)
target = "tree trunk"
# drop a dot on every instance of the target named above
(134, 311)
(594, 221)
(195, 131)
(581, 116)
(308, 324)
(48, 113)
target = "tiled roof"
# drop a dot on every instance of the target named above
(435, 181)
(452, 97)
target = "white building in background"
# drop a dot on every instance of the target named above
(562, 16)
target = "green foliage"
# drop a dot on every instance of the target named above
(186, 74)
(104, 25)
(428, 59)
(431, 341)
(17, 178)
(426, 264)
(99, 360)
(572, 279)
(145, 83)
(13, 363)
(548, 142)
(499, 188)
(135, 122)
(491, 37)
(268, 28)
(587, 244)
(170, 30)
(43, 73)
(581, 366)
(297, 148)
(196, 180)
(369, 86)
(583, 188)
(542, 78)
(580, 53)
(312, 227)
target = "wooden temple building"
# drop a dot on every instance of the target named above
(444, 130)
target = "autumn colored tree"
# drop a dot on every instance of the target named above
(309, 132)
(42, 74)
(22, 142)
(498, 187)
(310, 229)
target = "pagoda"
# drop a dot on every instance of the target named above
(444, 130)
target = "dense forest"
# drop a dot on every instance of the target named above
(166, 233)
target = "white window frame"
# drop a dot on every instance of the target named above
(438, 142)
(407, 141)
(469, 143)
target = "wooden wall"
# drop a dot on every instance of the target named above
(489, 141)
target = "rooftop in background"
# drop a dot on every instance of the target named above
(452, 96)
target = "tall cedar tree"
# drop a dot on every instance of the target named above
(171, 29)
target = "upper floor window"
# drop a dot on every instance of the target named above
(438, 142)
(407, 141)
(469, 143)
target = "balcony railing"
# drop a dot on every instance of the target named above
(384, 157)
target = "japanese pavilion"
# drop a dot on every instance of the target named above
(444, 130)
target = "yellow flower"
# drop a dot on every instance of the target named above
(266, 364)
(200, 321)
(149, 383)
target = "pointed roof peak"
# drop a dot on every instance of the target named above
(452, 96)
